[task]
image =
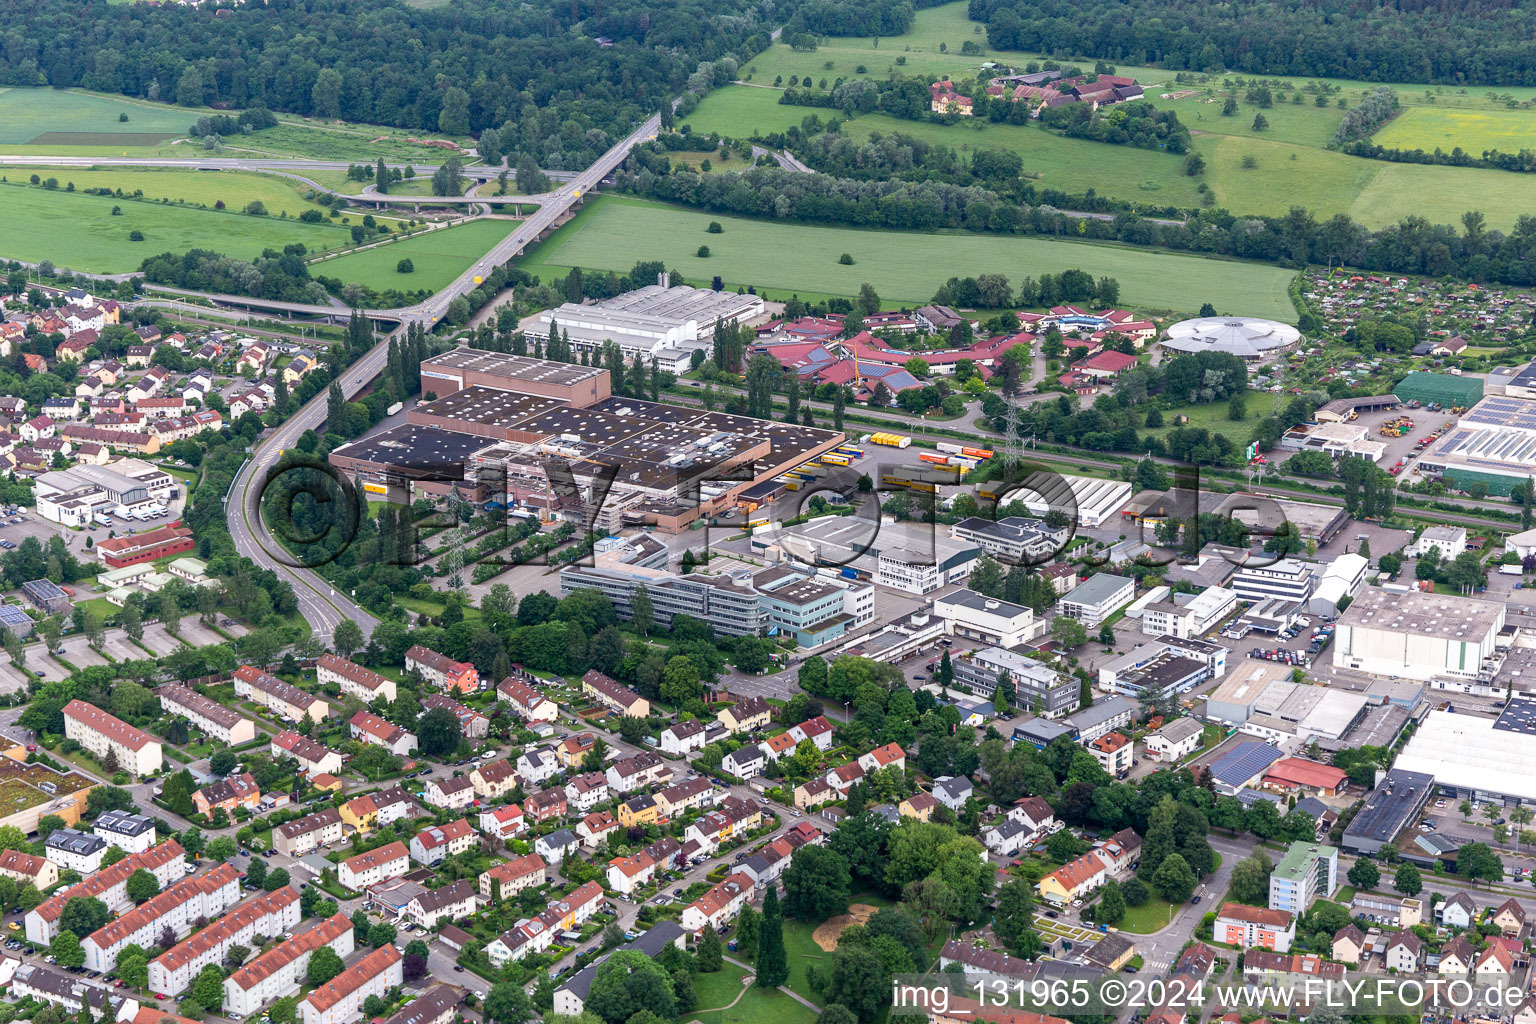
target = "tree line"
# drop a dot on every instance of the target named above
(1438, 41)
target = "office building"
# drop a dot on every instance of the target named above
(1188, 615)
(978, 617)
(1169, 665)
(1288, 579)
(1097, 598)
(1037, 687)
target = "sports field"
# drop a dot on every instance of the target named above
(78, 232)
(906, 268)
(64, 117)
(439, 257)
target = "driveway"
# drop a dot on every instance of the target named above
(157, 639)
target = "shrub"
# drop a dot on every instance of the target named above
(405, 266)
(703, 252)
(845, 259)
(714, 227)
(135, 236)
(256, 208)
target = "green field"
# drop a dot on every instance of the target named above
(195, 188)
(613, 233)
(439, 257)
(78, 231)
(26, 114)
(1429, 128)
(742, 111)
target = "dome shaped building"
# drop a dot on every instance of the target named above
(1251, 339)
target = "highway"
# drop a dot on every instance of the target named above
(320, 604)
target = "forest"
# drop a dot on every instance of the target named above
(532, 71)
(1447, 42)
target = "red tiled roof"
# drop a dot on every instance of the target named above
(1255, 915)
(114, 728)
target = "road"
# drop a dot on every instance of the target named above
(322, 607)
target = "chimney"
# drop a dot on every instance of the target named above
(664, 279)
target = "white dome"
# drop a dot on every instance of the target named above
(1248, 337)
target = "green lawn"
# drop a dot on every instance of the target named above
(719, 988)
(195, 188)
(1428, 128)
(757, 1006)
(905, 267)
(741, 111)
(439, 257)
(79, 232)
(1151, 916)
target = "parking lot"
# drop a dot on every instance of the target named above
(159, 640)
(78, 652)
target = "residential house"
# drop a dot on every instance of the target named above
(370, 728)
(643, 769)
(557, 845)
(690, 793)
(74, 850)
(811, 795)
(595, 828)
(509, 879)
(1240, 925)
(1405, 952)
(718, 906)
(538, 934)
(375, 810)
(746, 715)
(745, 762)
(1495, 967)
(1458, 911)
(441, 671)
(953, 791)
(453, 794)
(1510, 917)
(626, 874)
(364, 684)
(639, 811)
(503, 822)
(494, 779)
(1457, 957)
(818, 730)
(546, 806)
(586, 791)
(918, 805)
(451, 902)
(537, 766)
(682, 739)
(374, 866)
(432, 844)
(619, 699)
(314, 758)
(527, 703)
(884, 757)
(235, 791)
(1174, 741)
(1074, 879)
(28, 869)
(272, 693)
(1349, 944)
(472, 723)
(309, 833)
(573, 750)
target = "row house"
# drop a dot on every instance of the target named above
(667, 852)
(342, 998)
(538, 934)
(453, 794)
(494, 779)
(170, 405)
(1074, 879)
(375, 810)
(235, 791)
(733, 819)
(274, 913)
(527, 703)
(431, 845)
(586, 791)
(546, 806)
(167, 862)
(139, 442)
(639, 811)
(646, 768)
(537, 766)
(746, 715)
(512, 877)
(355, 680)
(595, 828)
(766, 865)
(72, 349)
(695, 792)
(181, 428)
(719, 906)
(284, 700)
(573, 750)
(309, 833)
(377, 865)
(472, 723)
(682, 739)
(280, 971)
(370, 728)
(626, 874)
(314, 758)
(62, 409)
(105, 735)
(198, 896)
(452, 902)
(614, 696)
(66, 991)
(215, 720)
(254, 358)
(504, 822)
(442, 671)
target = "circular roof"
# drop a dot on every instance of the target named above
(1244, 336)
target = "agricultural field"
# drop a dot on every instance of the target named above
(65, 118)
(741, 111)
(613, 233)
(439, 256)
(1437, 127)
(42, 122)
(194, 188)
(79, 232)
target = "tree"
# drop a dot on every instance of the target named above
(1407, 880)
(439, 733)
(641, 611)
(507, 1003)
(380, 185)
(141, 885)
(1068, 633)
(817, 884)
(324, 964)
(223, 761)
(1174, 880)
(381, 934)
(347, 639)
(453, 119)
(710, 955)
(772, 960)
(859, 981)
(1260, 122)
(1476, 860)
(1111, 908)
(1250, 878)
(256, 871)
(1364, 875)
(275, 880)
(208, 986)
(628, 983)
(133, 968)
(67, 950)
(84, 914)
(1015, 905)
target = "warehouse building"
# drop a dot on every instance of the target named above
(1417, 635)
(1168, 666)
(1475, 758)
(459, 368)
(1493, 444)
(1396, 803)
(1089, 501)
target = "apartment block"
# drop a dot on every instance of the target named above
(342, 998)
(274, 913)
(280, 970)
(525, 872)
(166, 862)
(441, 671)
(315, 758)
(452, 902)
(431, 845)
(207, 896)
(216, 721)
(309, 833)
(105, 735)
(282, 699)
(365, 869)
(132, 833)
(355, 680)
(1307, 871)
